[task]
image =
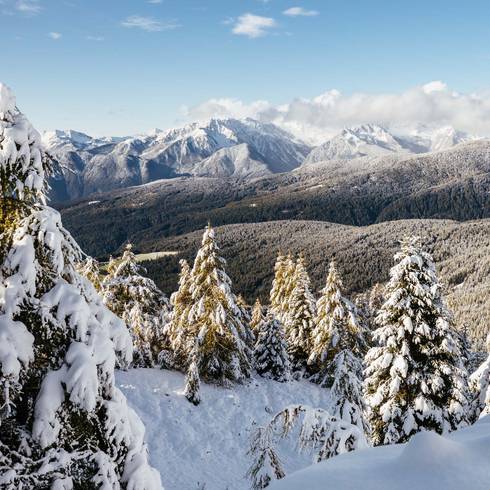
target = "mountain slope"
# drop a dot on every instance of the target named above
(453, 184)
(364, 256)
(370, 140)
(359, 141)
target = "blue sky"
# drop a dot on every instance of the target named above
(125, 66)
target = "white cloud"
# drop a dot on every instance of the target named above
(318, 118)
(148, 24)
(300, 12)
(55, 35)
(253, 26)
(29, 7)
(95, 38)
(155, 2)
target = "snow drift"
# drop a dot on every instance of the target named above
(428, 461)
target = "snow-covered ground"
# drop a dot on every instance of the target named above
(458, 461)
(207, 444)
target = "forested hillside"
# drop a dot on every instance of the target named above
(363, 254)
(451, 184)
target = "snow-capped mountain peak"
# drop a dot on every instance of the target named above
(105, 164)
(371, 140)
(356, 142)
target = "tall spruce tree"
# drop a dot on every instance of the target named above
(415, 378)
(64, 423)
(480, 389)
(217, 335)
(346, 397)
(137, 300)
(337, 329)
(178, 329)
(282, 286)
(270, 351)
(90, 269)
(299, 320)
(257, 316)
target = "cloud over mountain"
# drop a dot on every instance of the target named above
(432, 104)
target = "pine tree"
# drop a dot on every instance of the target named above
(266, 464)
(193, 381)
(337, 329)
(214, 320)
(178, 329)
(64, 423)
(480, 389)
(299, 322)
(270, 351)
(318, 432)
(89, 268)
(282, 286)
(346, 397)
(143, 307)
(257, 316)
(415, 379)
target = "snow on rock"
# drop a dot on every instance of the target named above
(428, 461)
(207, 444)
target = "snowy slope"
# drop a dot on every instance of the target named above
(359, 141)
(428, 461)
(371, 140)
(207, 444)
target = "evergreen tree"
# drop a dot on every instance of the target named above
(376, 299)
(214, 320)
(346, 398)
(193, 382)
(64, 423)
(89, 268)
(142, 306)
(415, 378)
(299, 322)
(178, 330)
(282, 286)
(337, 329)
(270, 351)
(480, 389)
(257, 316)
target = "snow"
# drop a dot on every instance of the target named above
(428, 461)
(7, 99)
(208, 443)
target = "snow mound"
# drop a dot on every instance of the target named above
(207, 445)
(428, 461)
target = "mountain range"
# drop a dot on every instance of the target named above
(218, 148)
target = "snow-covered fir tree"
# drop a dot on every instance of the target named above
(178, 330)
(137, 300)
(217, 335)
(257, 316)
(193, 380)
(90, 269)
(282, 286)
(299, 320)
(480, 389)
(270, 351)
(64, 423)
(415, 379)
(346, 397)
(337, 329)
(319, 433)
(266, 465)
